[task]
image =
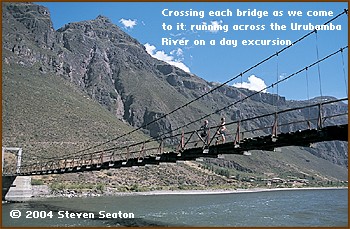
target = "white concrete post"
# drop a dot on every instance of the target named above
(19, 159)
(2, 158)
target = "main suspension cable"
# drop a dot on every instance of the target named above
(209, 92)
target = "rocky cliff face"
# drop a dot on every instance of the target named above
(115, 70)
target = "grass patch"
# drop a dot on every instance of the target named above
(77, 187)
(36, 182)
(48, 116)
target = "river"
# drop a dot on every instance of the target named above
(310, 207)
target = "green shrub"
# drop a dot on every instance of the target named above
(58, 186)
(100, 187)
(37, 182)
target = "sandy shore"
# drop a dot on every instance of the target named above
(218, 191)
(43, 192)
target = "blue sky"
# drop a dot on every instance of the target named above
(219, 63)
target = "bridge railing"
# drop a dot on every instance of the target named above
(97, 159)
(277, 122)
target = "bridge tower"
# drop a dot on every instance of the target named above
(15, 188)
(18, 156)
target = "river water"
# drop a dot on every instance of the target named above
(316, 207)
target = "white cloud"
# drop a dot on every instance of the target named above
(128, 23)
(176, 35)
(216, 26)
(170, 59)
(178, 52)
(254, 84)
(282, 76)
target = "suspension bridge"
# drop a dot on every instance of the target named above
(197, 143)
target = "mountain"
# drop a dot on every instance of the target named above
(65, 87)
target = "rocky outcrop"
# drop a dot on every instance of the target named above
(115, 70)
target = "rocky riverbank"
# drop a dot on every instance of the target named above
(43, 191)
(187, 177)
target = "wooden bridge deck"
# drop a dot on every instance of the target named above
(299, 138)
